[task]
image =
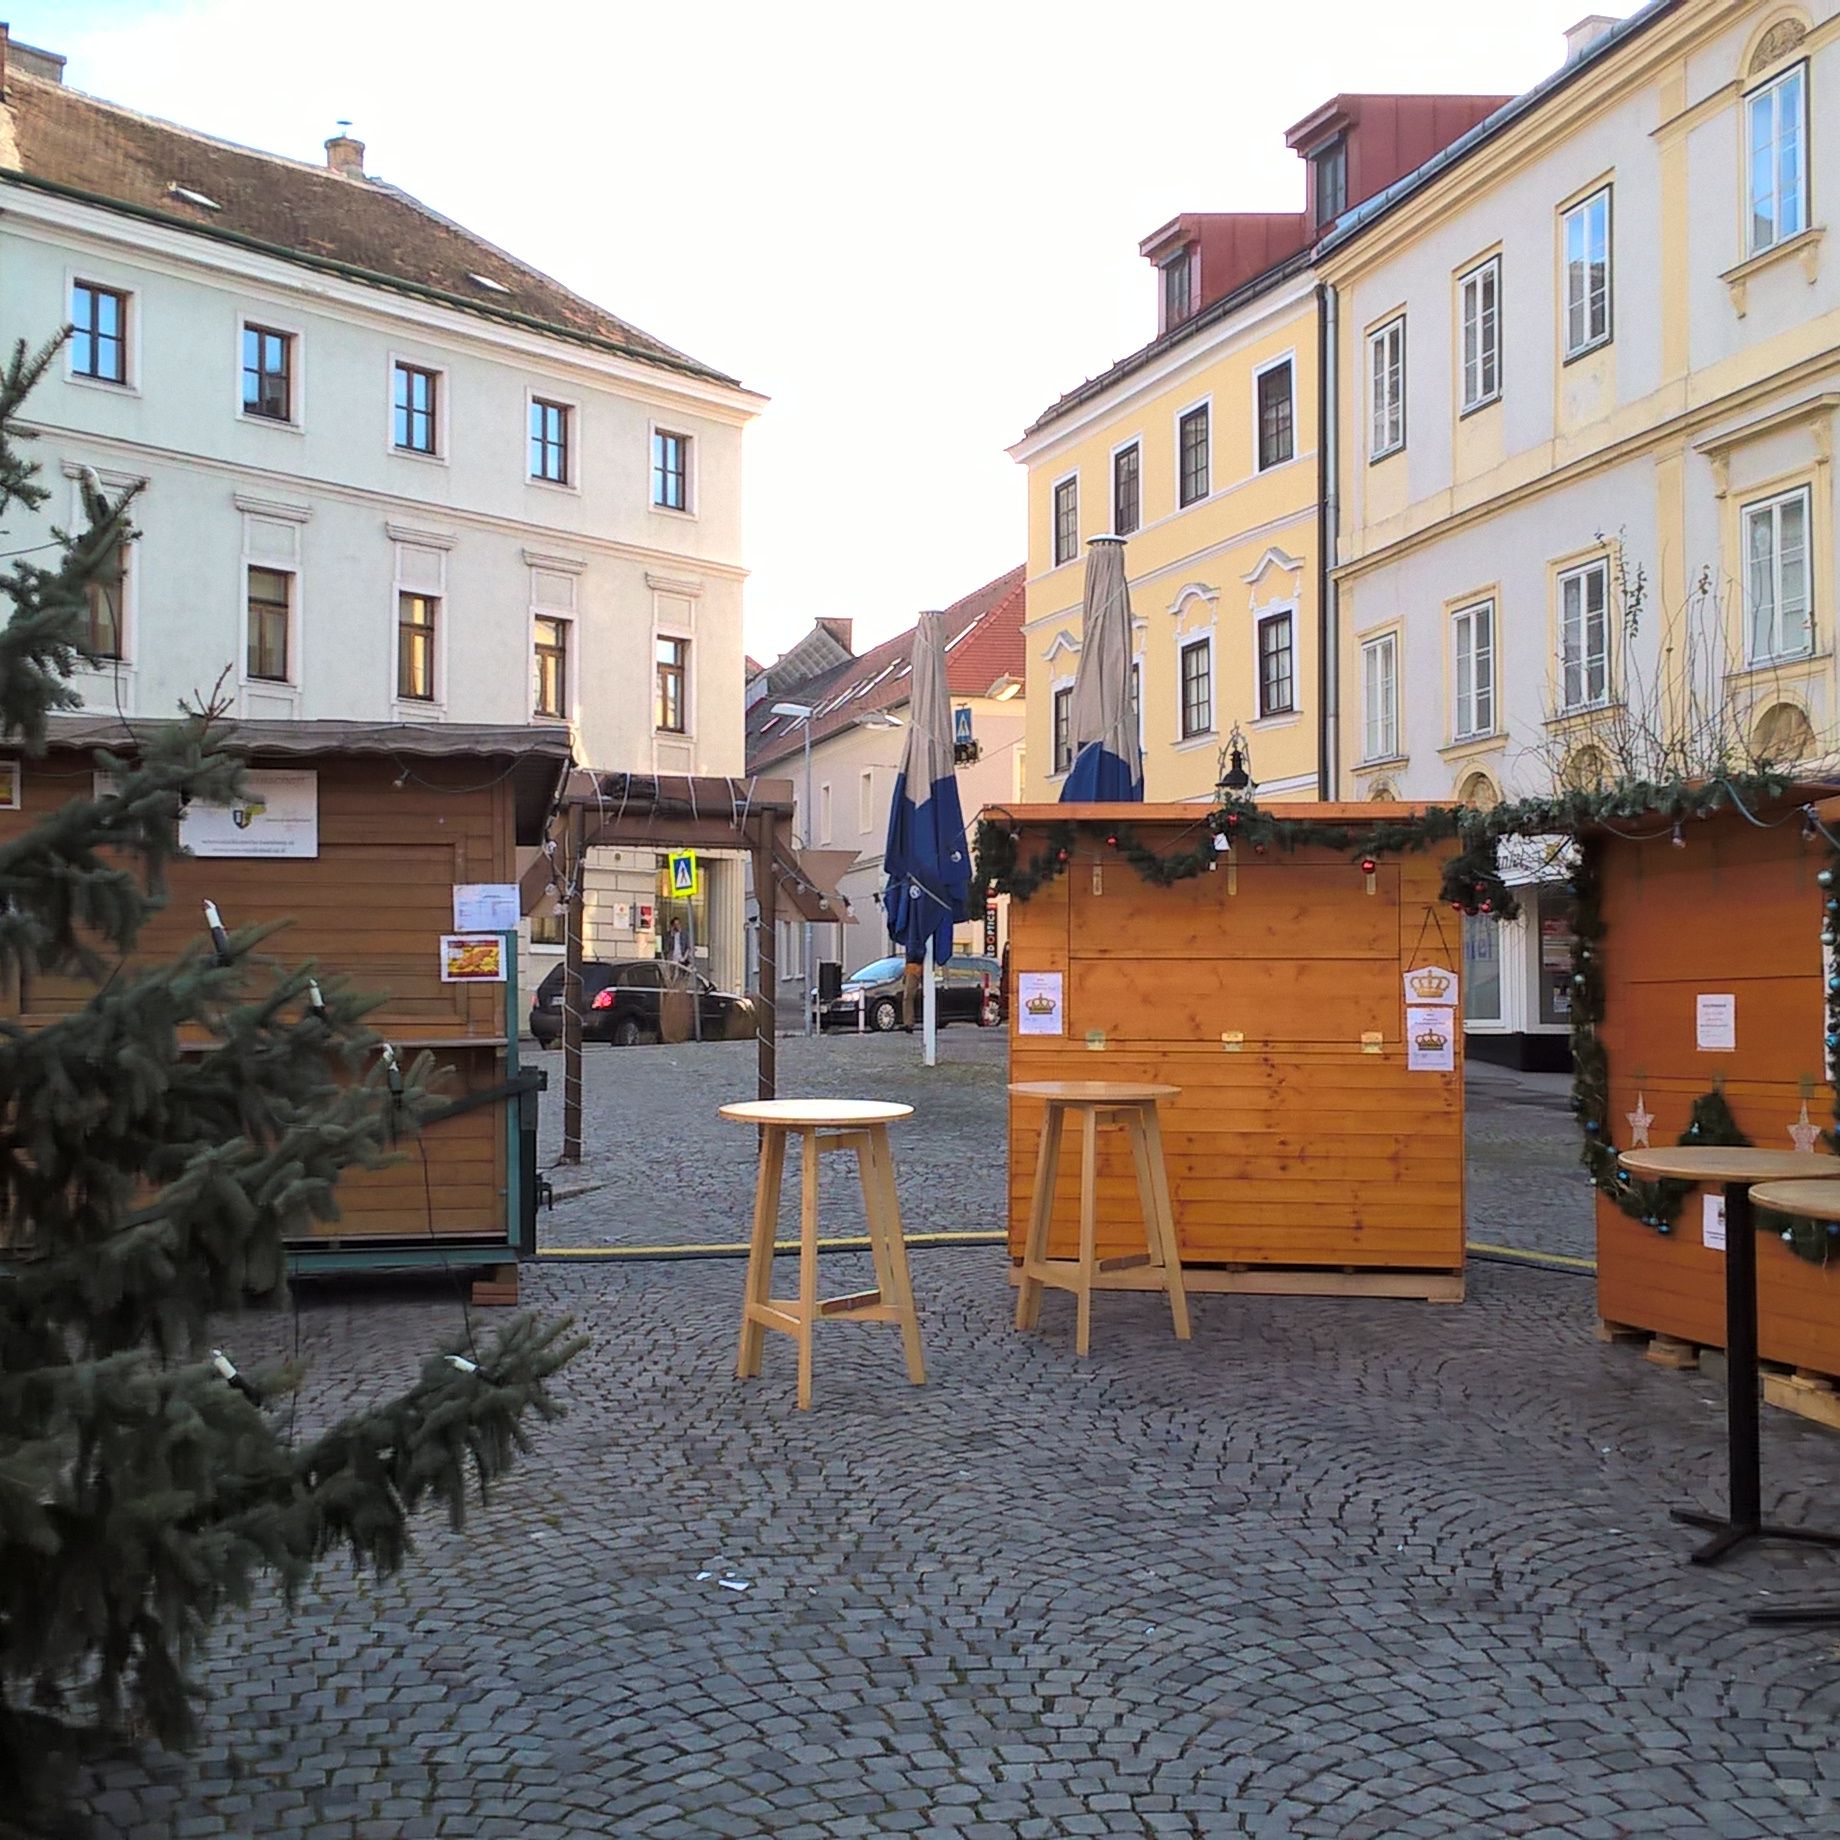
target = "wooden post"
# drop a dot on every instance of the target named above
(571, 987)
(766, 902)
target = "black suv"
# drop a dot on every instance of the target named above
(638, 999)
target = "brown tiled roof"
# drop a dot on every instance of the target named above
(71, 142)
(983, 645)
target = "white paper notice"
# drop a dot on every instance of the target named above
(622, 916)
(1712, 1222)
(1431, 1040)
(1716, 1024)
(1038, 1003)
(485, 907)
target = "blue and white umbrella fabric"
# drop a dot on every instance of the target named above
(926, 861)
(1108, 763)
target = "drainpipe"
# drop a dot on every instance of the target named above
(1328, 476)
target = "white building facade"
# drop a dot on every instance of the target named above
(439, 488)
(1588, 364)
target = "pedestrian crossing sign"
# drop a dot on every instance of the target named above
(686, 881)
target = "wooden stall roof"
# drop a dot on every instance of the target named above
(1356, 811)
(538, 757)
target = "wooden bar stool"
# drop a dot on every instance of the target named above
(824, 1125)
(1098, 1102)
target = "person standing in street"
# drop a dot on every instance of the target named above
(676, 943)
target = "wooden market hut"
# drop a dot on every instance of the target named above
(1317, 1143)
(1714, 976)
(367, 832)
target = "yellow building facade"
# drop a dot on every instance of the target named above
(1201, 453)
(1586, 371)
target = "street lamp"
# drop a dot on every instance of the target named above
(1234, 777)
(802, 714)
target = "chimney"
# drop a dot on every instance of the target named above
(1580, 38)
(47, 65)
(345, 156)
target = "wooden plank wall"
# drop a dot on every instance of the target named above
(1299, 1149)
(370, 907)
(1738, 911)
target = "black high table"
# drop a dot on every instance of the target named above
(1738, 1171)
(1815, 1200)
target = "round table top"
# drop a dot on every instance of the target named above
(1727, 1163)
(1093, 1092)
(1819, 1200)
(816, 1112)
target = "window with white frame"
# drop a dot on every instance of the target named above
(551, 455)
(105, 630)
(1472, 657)
(1197, 688)
(1127, 491)
(1776, 143)
(1137, 698)
(1062, 708)
(1480, 299)
(1066, 520)
(269, 599)
(1778, 619)
(1584, 636)
(415, 409)
(1329, 169)
(1277, 417)
(865, 801)
(1380, 697)
(670, 470)
(415, 638)
(1386, 356)
(673, 668)
(98, 332)
(1178, 287)
(1277, 665)
(1587, 274)
(1192, 456)
(268, 372)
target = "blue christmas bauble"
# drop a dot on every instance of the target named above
(1826, 878)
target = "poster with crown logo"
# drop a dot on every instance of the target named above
(1432, 986)
(1431, 1040)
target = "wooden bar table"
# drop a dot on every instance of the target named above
(822, 1126)
(1738, 1171)
(1098, 1102)
(1817, 1200)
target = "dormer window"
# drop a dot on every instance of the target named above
(1329, 168)
(1178, 287)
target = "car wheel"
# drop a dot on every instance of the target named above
(626, 1033)
(884, 1014)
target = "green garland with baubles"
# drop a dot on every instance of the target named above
(1472, 883)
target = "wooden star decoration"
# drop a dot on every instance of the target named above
(1639, 1121)
(1803, 1134)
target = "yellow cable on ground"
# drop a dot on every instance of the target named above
(859, 1243)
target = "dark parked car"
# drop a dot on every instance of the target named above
(632, 1000)
(970, 990)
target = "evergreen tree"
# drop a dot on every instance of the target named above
(145, 1485)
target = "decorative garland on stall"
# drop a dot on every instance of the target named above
(1473, 884)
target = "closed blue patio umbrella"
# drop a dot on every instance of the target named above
(1108, 763)
(926, 862)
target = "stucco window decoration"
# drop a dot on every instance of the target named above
(1479, 791)
(1776, 44)
(1783, 734)
(1587, 769)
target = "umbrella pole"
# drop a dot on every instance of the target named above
(930, 1013)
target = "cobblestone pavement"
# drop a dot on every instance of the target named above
(660, 1168)
(1331, 1571)
(1356, 1571)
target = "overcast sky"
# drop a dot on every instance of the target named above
(911, 227)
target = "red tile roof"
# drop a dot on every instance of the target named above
(73, 143)
(983, 645)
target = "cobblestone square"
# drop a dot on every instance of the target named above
(1349, 1570)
